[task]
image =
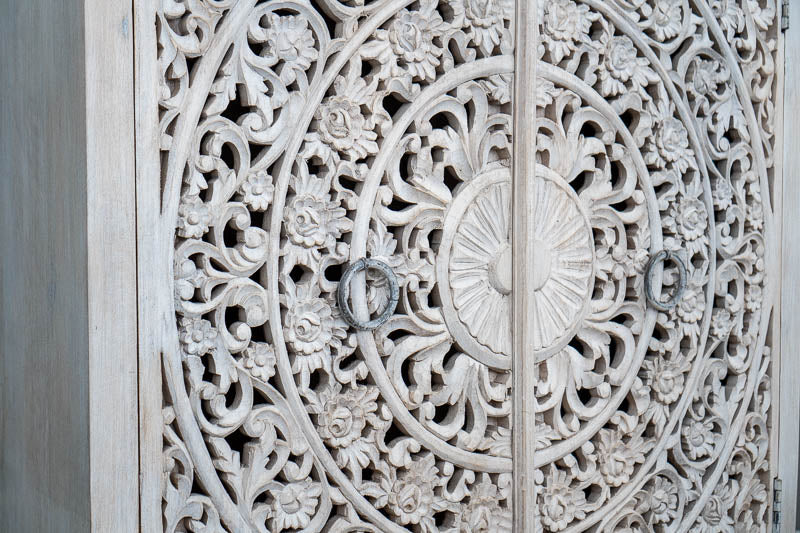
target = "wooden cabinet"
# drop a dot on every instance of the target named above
(435, 266)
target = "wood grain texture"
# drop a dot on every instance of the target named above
(67, 277)
(523, 366)
(153, 296)
(111, 230)
(788, 408)
(44, 421)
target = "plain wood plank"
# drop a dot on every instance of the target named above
(44, 419)
(523, 365)
(154, 291)
(788, 408)
(111, 228)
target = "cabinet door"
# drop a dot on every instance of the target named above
(656, 131)
(297, 139)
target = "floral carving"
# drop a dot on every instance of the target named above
(299, 136)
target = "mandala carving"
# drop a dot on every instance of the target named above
(299, 136)
(658, 117)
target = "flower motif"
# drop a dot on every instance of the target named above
(690, 216)
(483, 513)
(312, 220)
(411, 38)
(721, 323)
(722, 194)
(485, 20)
(753, 297)
(289, 40)
(341, 123)
(715, 515)
(411, 497)
(698, 438)
(692, 305)
(665, 377)
(670, 142)
(259, 360)
(621, 65)
(617, 459)
(705, 76)
(560, 503)
(565, 24)
(729, 15)
(343, 418)
(197, 335)
(666, 19)
(310, 328)
(257, 190)
(193, 217)
(662, 500)
(294, 504)
(187, 279)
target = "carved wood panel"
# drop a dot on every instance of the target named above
(299, 136)
(656, 133)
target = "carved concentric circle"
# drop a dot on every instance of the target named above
(563, 263)
(474, 268)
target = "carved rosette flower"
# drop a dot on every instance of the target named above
(721, 323)
(617, 458)
(666, 19)
(661, 500)
(259, 360)
(693, 303)
(257, 190)
(716, 512)
(722, 194)
(698, 438)
(705, 77)
(294, 504)
(485, 21)
(689, 217)
(310, 328)
(560, 503)
(194, 217)
(290, 45)
(565, 25)
(666, 377)
(341, 122)
(483, 513)
(411, 37)
(197, 335)
(670, 144)
(729, 14)
(621, 69)
(411, 493)
(480, 268)
(313, 221)
(343, 418)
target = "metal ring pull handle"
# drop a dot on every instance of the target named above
(343, 294)
(662, 257)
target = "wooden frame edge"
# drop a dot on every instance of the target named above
(523, 364)
(788, 159)
(150, 291)
(111, 266)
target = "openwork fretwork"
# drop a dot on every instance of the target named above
(656, 118)
(299, 136)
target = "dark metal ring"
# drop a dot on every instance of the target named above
(662, 257)
(343, 294)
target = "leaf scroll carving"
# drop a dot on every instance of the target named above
(658, 116)
(297, 137)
